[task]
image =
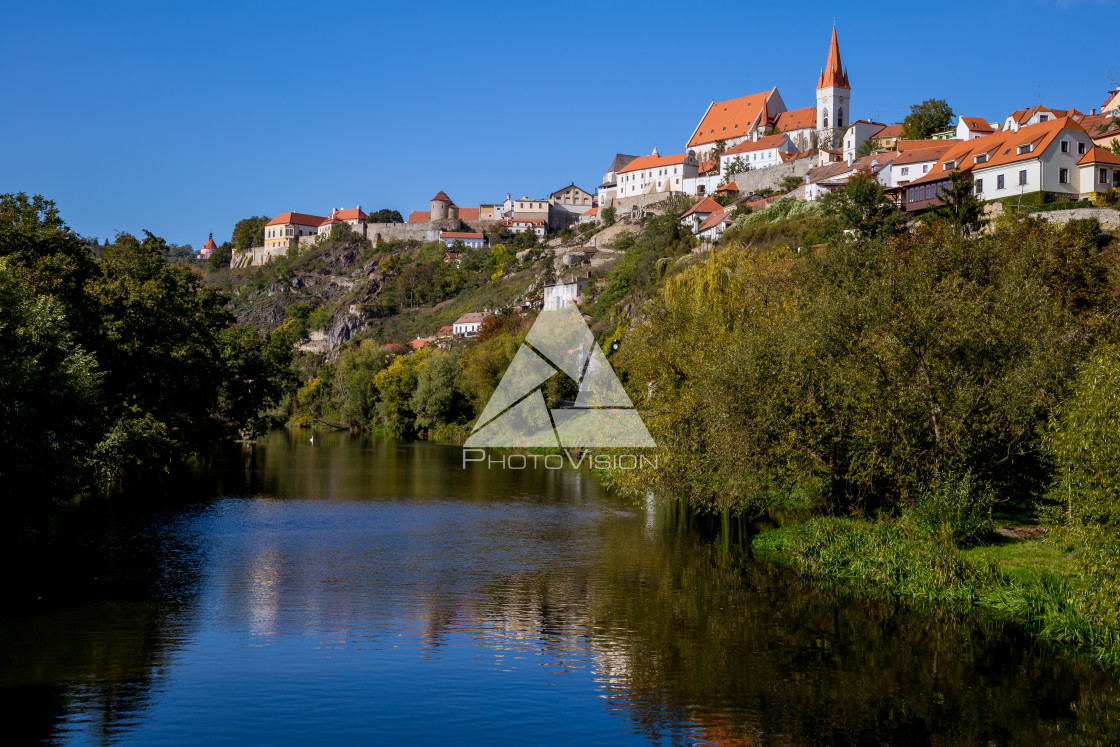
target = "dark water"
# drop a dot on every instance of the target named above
(365, 591)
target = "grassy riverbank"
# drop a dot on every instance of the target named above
(1030, 582)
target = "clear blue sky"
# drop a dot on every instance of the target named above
(183, 118)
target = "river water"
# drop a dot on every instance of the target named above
(360, 590)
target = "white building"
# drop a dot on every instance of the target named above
(561, 295)
(911, 164)
(973, 127)
(696, 215)
(1035, 115)
(757, 153)
(471, 240)
(857, 134)
(834, 94)
(656, 174)
(468, 324)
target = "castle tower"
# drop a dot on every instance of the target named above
(441, 207)
(833, 98)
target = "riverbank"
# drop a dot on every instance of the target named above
(1029, 582)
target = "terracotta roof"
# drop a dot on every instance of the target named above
(796, 119)
(822, 173)
(891, 130)
(296, 219)
(472, 317)
(420, 216)
(729, 187)
(977, 124)
(1097, 124)
(787, 157)
(441, 197)
(592, 211)
(1024, 115)
(469, 213)
(706, 205)
(420, 342)
(1001, 148)
(706, 166)
(904, 145)
(731, 118)
(445, 331)
(210, 243)
(714, 219)
(918, 155)
(653, 162)
(763, 143)
(459, 235)
(833, 73)
(1097, 154)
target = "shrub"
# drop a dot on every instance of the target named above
(955, 502)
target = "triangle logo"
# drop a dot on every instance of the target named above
(602, 416)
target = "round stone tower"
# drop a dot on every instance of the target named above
(441, 207)
(453, 212)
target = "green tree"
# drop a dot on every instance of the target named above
(220, 257)
(360, 366)
(385, 215)
(249, 232)
(866, 148)
(961, 206)
(863, 206)
(608, 215)
(437, 399)
(926, 118)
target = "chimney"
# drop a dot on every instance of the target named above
(1093, 110)
(359, 208)
(754, 135)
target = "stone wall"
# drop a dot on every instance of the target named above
(1108, 217)
(771, 178)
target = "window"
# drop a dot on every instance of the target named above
(999, 182)
(1081, 149)
(979, 187)
(1063, 175)
(840, 117)
(905, 170)
(1024, 149)
(980, 158)
(1103, 176)
(949, 165)
(925, 168)
(1023, 176)
(825, 120)
(1065, 146)
(1043, 117)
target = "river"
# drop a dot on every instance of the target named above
(359, 590)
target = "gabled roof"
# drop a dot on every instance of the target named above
(834, 73)
(471, 317)
(977, 124)
(796, 119)
(620, 160)
(210, 243)
(297, 219)
(1001, 148)
(420, 216)
(729, 187)
(763, 143)
(905, 145)
(1097, 124)
(592, 211)
(787, 157)
(653, 162)
(706, 166)
(891, 130)
(1097, 154)
(565, 189)
(920, 155)
(705, 206)
(731, 118)
(714, 219)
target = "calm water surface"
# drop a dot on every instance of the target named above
(368, 591)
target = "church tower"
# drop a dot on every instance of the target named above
(833, 98)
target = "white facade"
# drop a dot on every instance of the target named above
(663, 174)
(758, 153)
(1054, 170)
(908, 172)
(470, 240)
(562, 295)
(468, 324)
(856, 135)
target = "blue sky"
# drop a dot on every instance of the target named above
(182, 118)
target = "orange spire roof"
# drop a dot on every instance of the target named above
(834, 73)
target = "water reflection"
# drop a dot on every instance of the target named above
(369, 590)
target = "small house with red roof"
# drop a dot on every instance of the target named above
(354, 217)
(208, 248)
(695, 216)
(969, 128)
(468, 239)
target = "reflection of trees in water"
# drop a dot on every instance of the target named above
(116, 603)
(688, 634)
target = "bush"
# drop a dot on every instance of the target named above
(954, 502)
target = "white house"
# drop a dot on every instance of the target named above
(561, 295)
(695, 216)
(911, 164)
(519, 224)
(713, 227)
(1035, 115)
(471, 240)
(354, 217)
(1099, 170)
(757, 152)
(857, 134)
(468, 324)
(656, 174)
(589, 216)
(973, 127)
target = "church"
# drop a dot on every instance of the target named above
(727, 123)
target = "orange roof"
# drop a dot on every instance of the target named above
(592, 211)
(1001, 148)
(707, 205)
(917, 155)
(731, 118)
(706, 166)
(763, 143)
(892, 130)
(1096, 154)
(729, 187)
(787, 157)
(714, 219)
(533, 221)
(459, 235)
(653, 162)
(441, 197)
(469, 213)
(296, 219)
(796, 119)
(904, 145)
(977, 124)
(445, 331)
(834, 73)
(420, 216)
(210, 243)
(420, 342)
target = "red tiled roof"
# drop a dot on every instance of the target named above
(469, 213)
(459, 235)
(420, 216)
(441, 197)
(918, 155)
(420, 342)
(977, 124)
(472, 317)
(763, 143)
(210, 243)
(834, 73)
(889, 131)
(796, 119)
(296, 219)
(787, 157)
(1000, 147)
(706, 166)
(904, 145)
(653, 162)
(445, 331)
(714, 219)
(729, 187)
(731, 118)
(592, 211)
(1097, 154)
(706, 205)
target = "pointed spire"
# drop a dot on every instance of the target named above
(655, 153)
(834, 73)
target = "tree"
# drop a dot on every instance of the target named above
(862, 205)
(961, 207)
(385, 215)
(608, 215)
(926, 118)
(249, 232)
(220, 257)
(341, 231)
(437, 399)
(735, 166)
(866, 148)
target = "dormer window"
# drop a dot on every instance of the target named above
(980, 158)
(1024, 149)
(949, 165)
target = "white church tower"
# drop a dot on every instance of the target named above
(833, 99)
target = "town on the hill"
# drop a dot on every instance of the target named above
(745, 154)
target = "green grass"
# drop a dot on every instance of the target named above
(1024, 559)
